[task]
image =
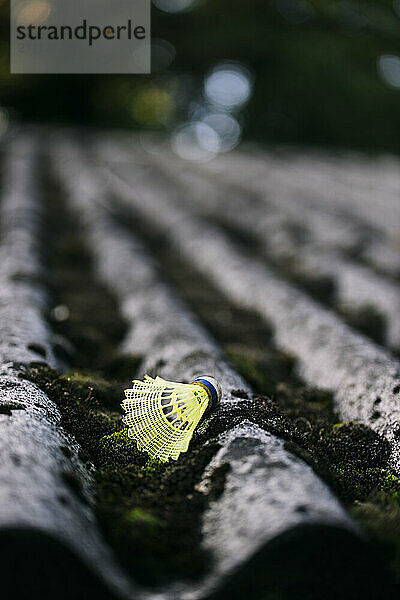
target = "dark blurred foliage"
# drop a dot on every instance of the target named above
(315, 66)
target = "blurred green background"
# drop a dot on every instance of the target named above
(323, 72)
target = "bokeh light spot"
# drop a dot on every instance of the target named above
(34, 13)
(152, 106)
(228, 86)
(226, 127)
(175, 6)
(389, 69)
(196, 142)
(162, 54)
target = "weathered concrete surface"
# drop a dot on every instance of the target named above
(364, 378)
(361, 219)
(365, 187)
(268, 491)
(320, 185)
(267, 497)
(24, 336)
(355, 286)
(43, 521)
(270, 181)
(49, 539)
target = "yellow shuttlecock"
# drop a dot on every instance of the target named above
(162, 415)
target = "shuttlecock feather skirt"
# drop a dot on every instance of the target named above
(162, 415)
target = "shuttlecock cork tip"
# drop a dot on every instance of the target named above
(213, 387)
